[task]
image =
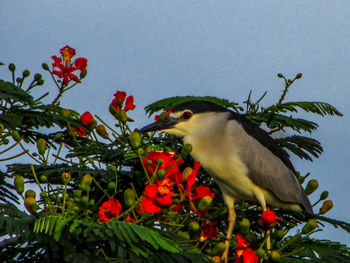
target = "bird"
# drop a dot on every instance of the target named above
(244, 160)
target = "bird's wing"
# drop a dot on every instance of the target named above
(269, 165)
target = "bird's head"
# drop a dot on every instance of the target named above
(189, 118)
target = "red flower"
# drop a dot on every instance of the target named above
(79, 130)
(243, 253)
(87, 119)
(119, 99)
(108, 209)
(269, 219)
(168, 111)
(157, 196)
(162, 160)
(64, 66)
(129, 219)
(209, 231)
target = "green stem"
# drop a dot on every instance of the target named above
(13, 157)
(58, 153)
(295, 252)
(99, 186)
(64, 198)
(27, 152)
(144, 168)
(291, 241)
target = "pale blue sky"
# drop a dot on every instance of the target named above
(156, 49)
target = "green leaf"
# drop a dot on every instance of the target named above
(10, 93)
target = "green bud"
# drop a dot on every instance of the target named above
(327, 205)
(123, 117)
(186, 149)
(260, 252)
(26, 73)
(58, 136)
(43, 179)
(111, 186)
(218, 249)
(193, 227)
(19, 184)
(141, 151)
(41, 146)
(161, 174)
(30, 193)
(66, 177)
(92, 202)
(309, 226)
(113, 110)
(76, 199)
(119, 102)
(205, 203)
(208, 251)
(45, 66)
(83, 74)
(160, 161)
(15, 135)
(280, 75)
(37, 77)
(66, 113)
(312, 185)
(113, 168)
(135, 139)
(129, 197)
(84, 201)
(324, 195)
(19, 80)
(12, 67)
(77, 193)
(2, 128)
(183, 235)
(40, 82)
(44, 195)
(301, 179)
(298, 76)
(86, 181)
(149, 162)
(244, 226)
(101, 130)
(5, 141)
(275, 256)
(30, 204)
(279, 234)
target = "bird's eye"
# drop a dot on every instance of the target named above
(187, 115)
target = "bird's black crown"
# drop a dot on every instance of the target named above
(199, 106)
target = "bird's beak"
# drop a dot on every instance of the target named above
(167, 123)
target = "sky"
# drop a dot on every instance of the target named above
(157, 49)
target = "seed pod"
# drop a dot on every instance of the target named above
(204, 203)
(244, 226)
(111, 186)
(312, 185)
(30, 193)
(186, 149)
(309, 226)
(327, 205)
(101, 130)
(129, 197)
(193, 227)
(41, 146)
(218, 249)
(135, 139)
(275, 256)
(19, 184)
(30, 204)
(15, 135)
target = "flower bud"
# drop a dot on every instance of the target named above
(30, 193)
(312, 185)
(186, 173)
(12, 67)
(37, 77)
(77, 193)
(41, 146)
(129, 197)
(19, 80)
(327, 205)
(123, 117)
(92, 202)
(280, 75)
(66, 113)
(101, 130)
(260, 252)
(30, 204)
(2, 128)
(44, 195)
(298, 76)
(324, 195)
(84, 201)
(15, 135)
(183, 235)
(218, 249)
(244, 226)
(86, 181)
(111, 186)
(160, 161)
(275, 256)
(186, 149)
(113, 168)
(43, 179)
(161, 174)
(26, 73)
(19, 184)
(135, 139)
(204, 203)
(149, 162)
(40, 82)
(83, 74)
(45, 66)
(58, 136)
(193, 227)
(309, 226)
(66, 177)
(113, 110)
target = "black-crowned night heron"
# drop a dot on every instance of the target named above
(245, 162)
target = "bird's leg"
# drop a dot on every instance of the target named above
(261, 199)
(231, 223)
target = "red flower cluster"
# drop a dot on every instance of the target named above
(109, 209)
(64, 66)
(209, 231)
(119, 99)
(243, 253)
(87, 119)
(80, 131)
(268, 219)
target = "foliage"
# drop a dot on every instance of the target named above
(130, 197)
